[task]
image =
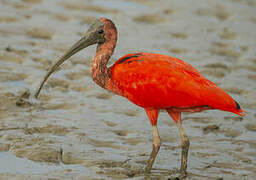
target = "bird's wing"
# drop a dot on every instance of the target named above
(159, 81)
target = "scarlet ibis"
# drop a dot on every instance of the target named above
(152, 81)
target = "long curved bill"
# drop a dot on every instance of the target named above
(81, 44)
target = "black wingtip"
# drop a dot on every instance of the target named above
(129, 57)
(237, 105)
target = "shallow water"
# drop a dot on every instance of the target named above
(78, 130)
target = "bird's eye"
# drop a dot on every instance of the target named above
(100, 31)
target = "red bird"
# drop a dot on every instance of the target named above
(152, 81)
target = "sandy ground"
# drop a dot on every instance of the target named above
(76, 130)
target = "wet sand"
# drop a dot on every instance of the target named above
(78, 130)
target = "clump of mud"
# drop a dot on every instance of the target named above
(211, 128)
(23, 99)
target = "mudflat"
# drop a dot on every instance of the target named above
(78, 130)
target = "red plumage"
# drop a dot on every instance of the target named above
(163, 82)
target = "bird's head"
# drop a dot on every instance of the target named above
(99, 32)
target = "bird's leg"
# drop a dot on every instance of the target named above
(176, 116)
(185, 146)
(156, 147)
(152, 116)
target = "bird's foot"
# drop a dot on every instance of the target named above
(183, 174)
(147, 169)
(152, 158)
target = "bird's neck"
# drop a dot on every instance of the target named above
(99, 69)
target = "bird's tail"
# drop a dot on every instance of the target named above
(239, 111)
(221, 100)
